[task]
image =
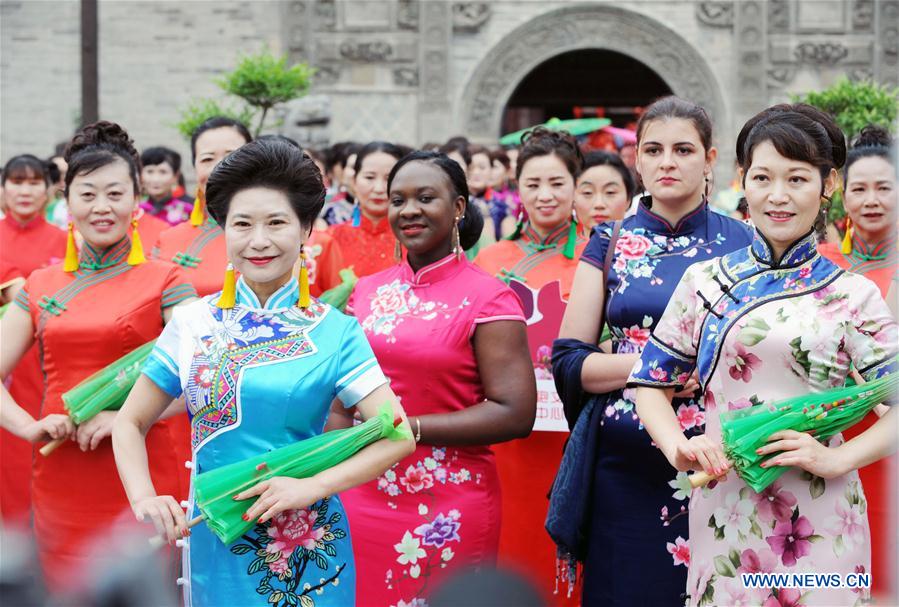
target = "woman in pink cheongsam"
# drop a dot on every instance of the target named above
(451, 338)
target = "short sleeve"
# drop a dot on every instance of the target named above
(669, 357)
(871, 341)
(595, 251)
(162, 366)
(503, 304)
(177, 287)
(358, 372)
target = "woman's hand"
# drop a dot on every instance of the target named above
(802, 450)
(281, 493)
(701, 450)
(166, 515)
(689, 388)
(94, 430)
(49, 428)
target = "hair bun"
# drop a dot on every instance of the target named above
(102, 134)
(873, 136)
(542, 133)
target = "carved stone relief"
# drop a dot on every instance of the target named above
(369, 52)
(407, 14)
(862, 15)
(750, 37)
(821, 53)
(470, 16)
(325, 15)
(577, 27)
(326, 75)
(778, 16)
(716, 14)
(405, 76)
(888, 38)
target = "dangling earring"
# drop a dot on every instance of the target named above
(229, 289)
(708, 186)
(70, 263)
(519, 225)
(136, 254)
(846, 246)
(397, 251)
(198, 213)
(571, 243)
(304, 299)
(357, 215)
(457, 243)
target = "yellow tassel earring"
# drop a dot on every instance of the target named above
(305, 299)
(846, 246)
(229, 290)
(70, 264)
(198, 213)
(136, 254)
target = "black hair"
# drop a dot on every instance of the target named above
(671, 106)
(159, 155)
(27, 165)
(500, 155)
(267, 163)
(98, 145)
(53, 172)
(374, 147)
(542, 141)
(283, 138)
(872, 141)
(797, 131)
(336, 154)
(457, 144)
(217, 122)
(472, 222)
(350, 149)
(604, 158)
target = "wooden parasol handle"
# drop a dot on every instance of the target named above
(700, 479)
(51, 446)
(158, 541)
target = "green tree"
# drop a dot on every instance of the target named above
(200, 110)
(264, 81)
(261, 81)
(854, 105)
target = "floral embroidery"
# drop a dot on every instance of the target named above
(286, 546)
(392, 302)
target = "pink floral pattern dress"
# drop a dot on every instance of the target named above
(439, 509)
(757, 331)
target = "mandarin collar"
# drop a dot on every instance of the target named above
(98, 259)
(804, 249)
(530, 236)
(369, 226)
(34, 223)
(873, 252)
(441, 269)
(689, 223)
(284, 298)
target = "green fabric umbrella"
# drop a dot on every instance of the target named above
(576, 126)
(3, 309)
(823, 415)
(105, 390)
(214, 490)
(339, 295)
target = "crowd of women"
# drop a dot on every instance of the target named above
(673, 314)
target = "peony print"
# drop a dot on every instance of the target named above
(283, 550)
(792, 540)
(416, 479)
(438, 532)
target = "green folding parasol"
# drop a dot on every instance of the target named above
(339, 295)
(105, 390)
(214, 490)
(822, 415)
(576, 126)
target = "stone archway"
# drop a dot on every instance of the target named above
(575, 28)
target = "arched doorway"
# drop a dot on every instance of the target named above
(587, 82)
(482, 101)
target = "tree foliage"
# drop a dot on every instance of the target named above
(854, 105)
(261, 81)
